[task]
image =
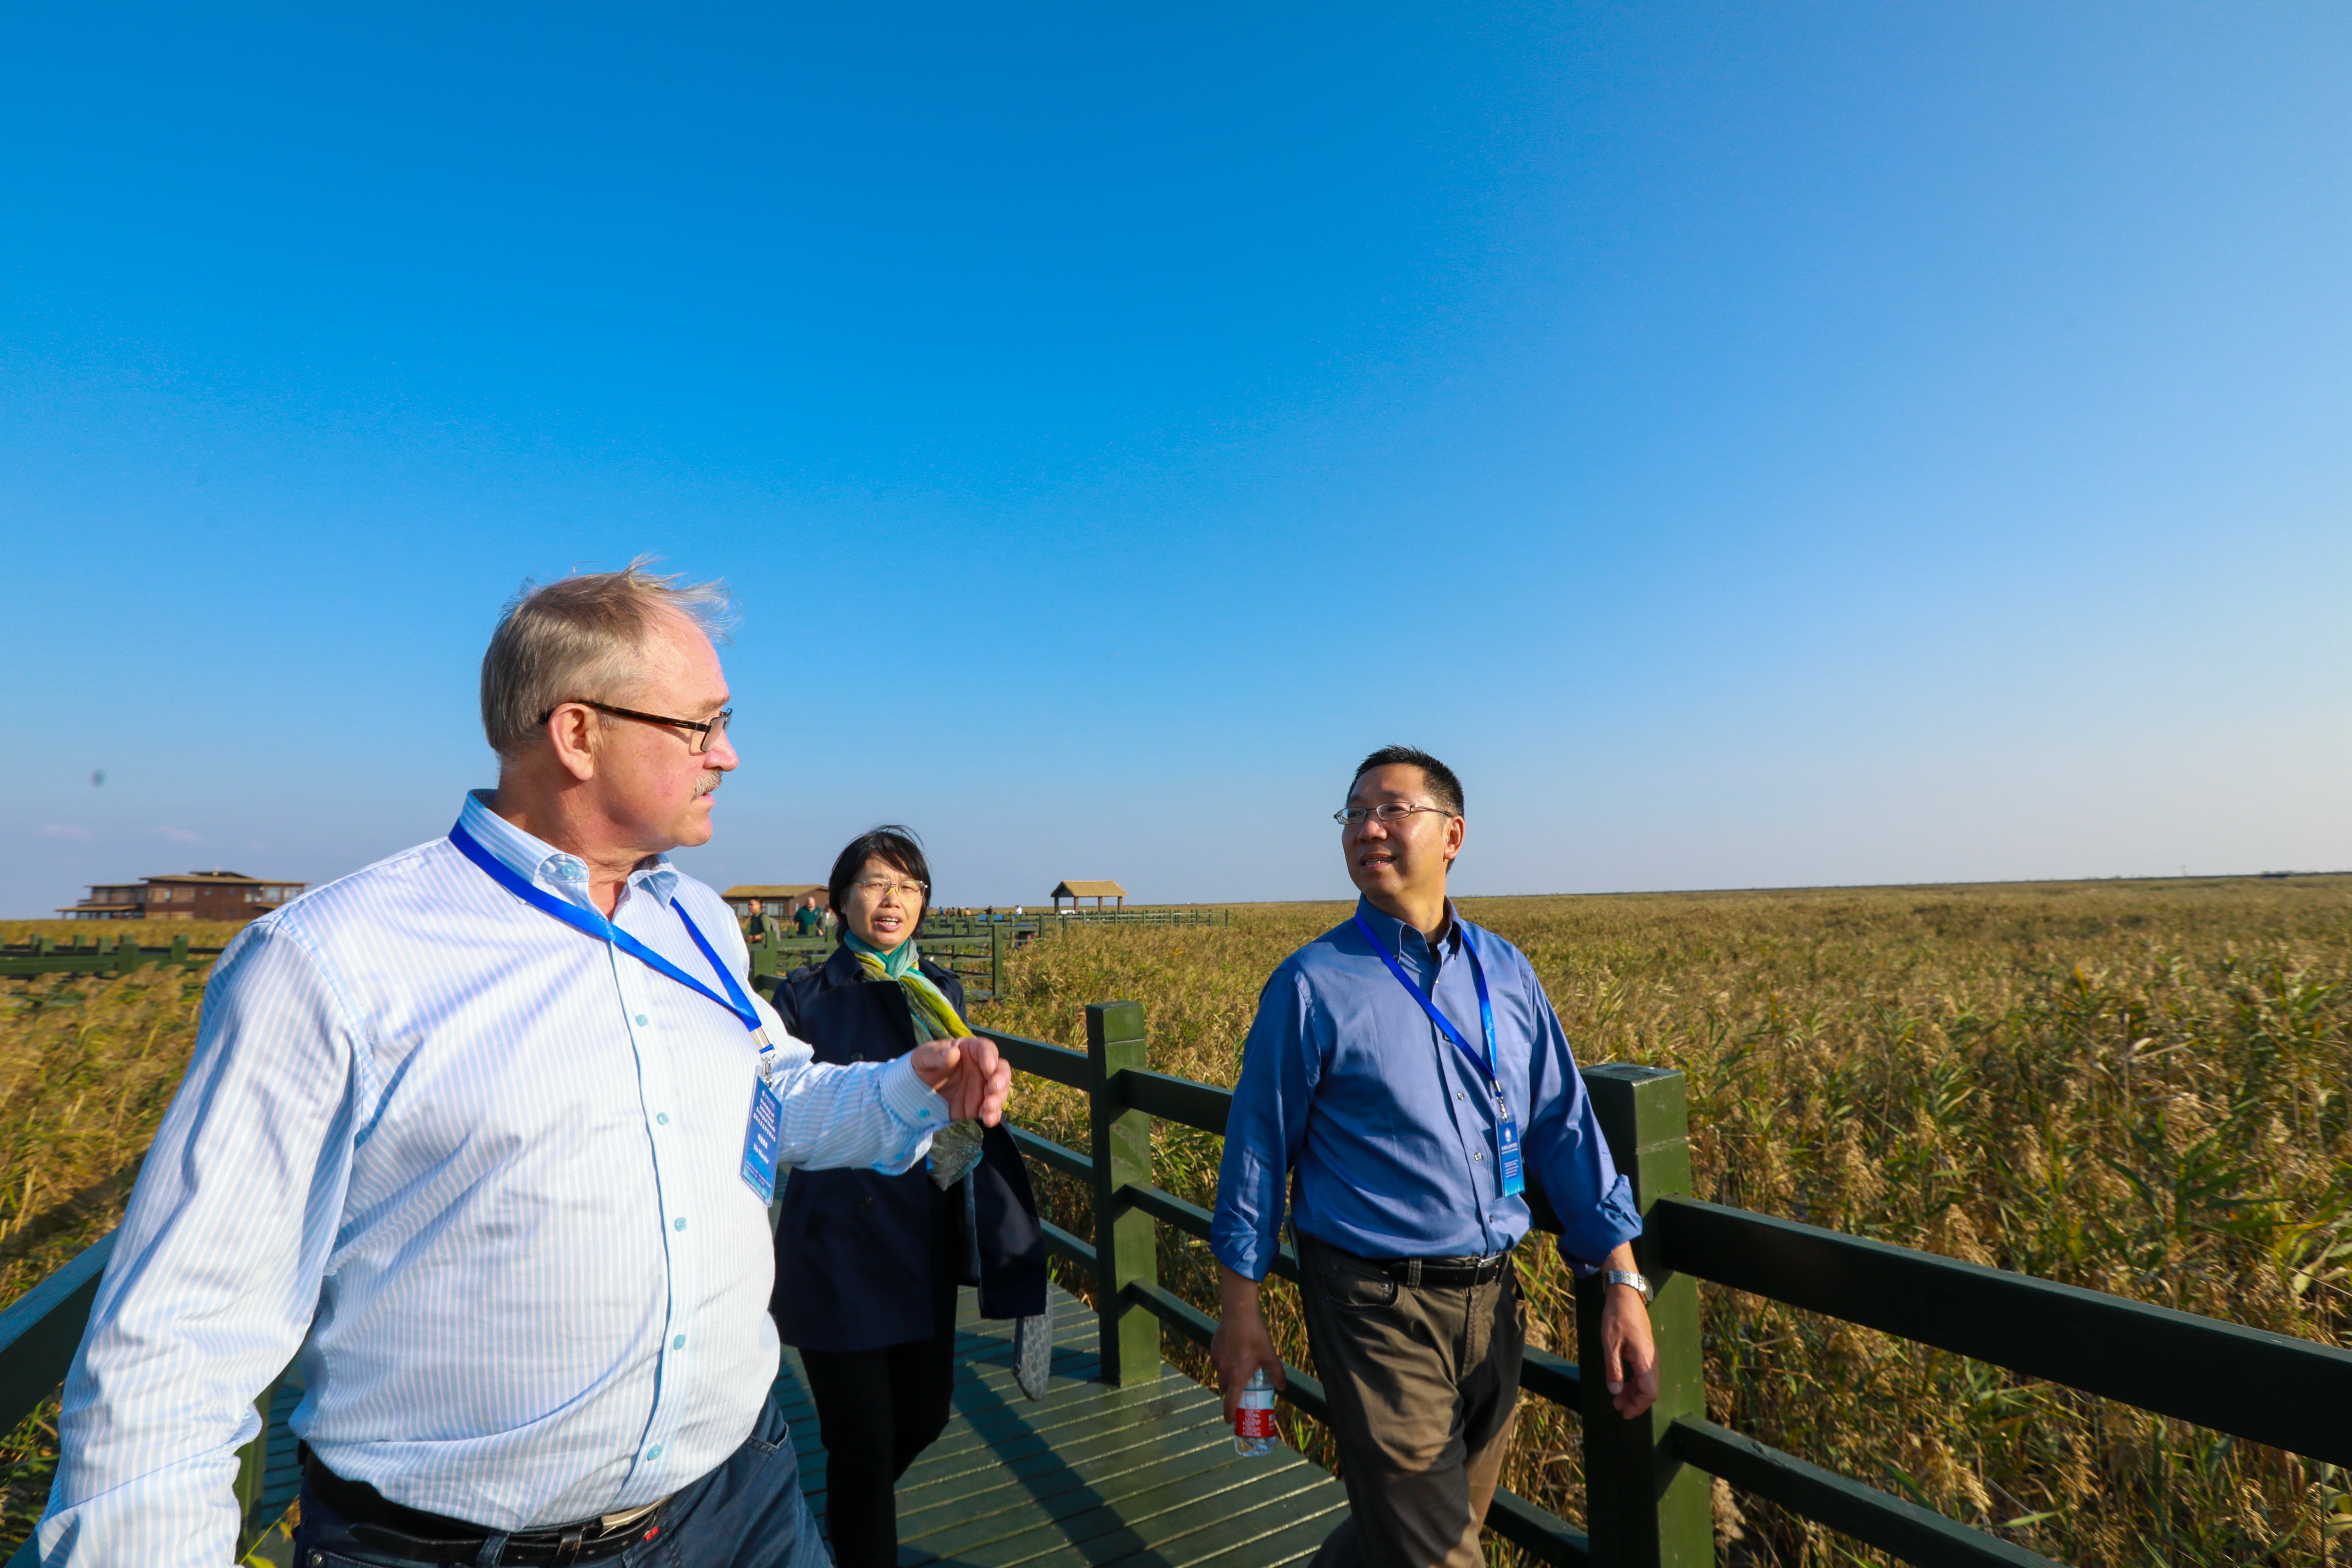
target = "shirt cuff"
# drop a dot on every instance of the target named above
(915, 1103)
(1586, 1243)
(1244, 1252)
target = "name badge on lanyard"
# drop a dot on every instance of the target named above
(765, 1130)
(1507, 1126)
(759, 1141)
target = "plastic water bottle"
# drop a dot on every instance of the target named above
(1253, 1421)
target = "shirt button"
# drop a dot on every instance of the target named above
(654, 1452)
(1457, 1094)
(678, 1223)
(678, 1344)
(662, 1117)
(1479, 1155)
(641, 1020)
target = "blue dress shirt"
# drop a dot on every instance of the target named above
(480, 1169)
(1390, 1127)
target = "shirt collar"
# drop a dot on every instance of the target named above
(563, 874)
(1406, 941)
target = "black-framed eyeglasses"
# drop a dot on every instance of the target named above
(1388, 813)
(701, 735)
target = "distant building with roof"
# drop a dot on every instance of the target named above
(1097, 891)
(212, 895)
(781, 898)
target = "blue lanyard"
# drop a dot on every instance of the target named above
(1508, 1168)
(1486, 1064)
(603, 929)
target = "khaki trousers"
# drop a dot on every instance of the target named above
(1423, 1383)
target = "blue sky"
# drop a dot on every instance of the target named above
(1757, 446)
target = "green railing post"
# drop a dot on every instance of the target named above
(995, 961)
(1645, 1508)
(1125, 1245)
(180, 950)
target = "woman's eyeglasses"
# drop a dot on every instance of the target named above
(876, 887)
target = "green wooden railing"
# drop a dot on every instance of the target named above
(97, 955)
(1647, 1500)
(973, 945)
(977, 960)
(1646, 1497)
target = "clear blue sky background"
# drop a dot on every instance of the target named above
(1756, 444)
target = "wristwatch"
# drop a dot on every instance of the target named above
(1627, 1276)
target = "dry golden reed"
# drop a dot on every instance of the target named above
(2140, 1087)
(85, 1069)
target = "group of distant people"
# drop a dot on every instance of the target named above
(498, 1142)
(761, 929)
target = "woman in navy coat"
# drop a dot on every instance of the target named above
(868, 1265)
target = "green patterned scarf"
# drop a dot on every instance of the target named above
(955, 1148)
(934, 1018)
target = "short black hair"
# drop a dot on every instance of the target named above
(892, 844)
(1441, 779)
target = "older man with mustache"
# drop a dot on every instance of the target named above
(488, 1132)
(1406, 1066)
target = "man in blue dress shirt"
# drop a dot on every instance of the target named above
(481, 1139)
(1407, 1073)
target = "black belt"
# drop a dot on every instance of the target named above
(1443, 1273)
(386, 1526)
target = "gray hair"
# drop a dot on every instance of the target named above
(579, 639)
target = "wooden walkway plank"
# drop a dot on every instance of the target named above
(1143, 1476)
(1155, 1522)
(996, 1431)
(1062, 1497)
(1027, 1459)
(1293, 1541)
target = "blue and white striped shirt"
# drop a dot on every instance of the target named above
(481, 1171)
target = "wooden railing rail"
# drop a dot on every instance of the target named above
(1647, 1500)
(97, 955)
(42, 1328)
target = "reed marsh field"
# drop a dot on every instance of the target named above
(2136, 1087)
(87, 1068)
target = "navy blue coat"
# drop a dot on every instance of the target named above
(856, 1249)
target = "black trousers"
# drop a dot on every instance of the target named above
(878, 1410)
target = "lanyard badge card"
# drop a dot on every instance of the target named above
(760, 1140)
(1507, 1164)
(765, 1130)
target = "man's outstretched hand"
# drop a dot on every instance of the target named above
(970, 1074)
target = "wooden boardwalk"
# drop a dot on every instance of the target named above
(1141, 1476)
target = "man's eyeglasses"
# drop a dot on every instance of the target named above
(1388, 813)
(874, 887)
(700, 735)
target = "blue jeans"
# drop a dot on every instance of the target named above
(747, 1513)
